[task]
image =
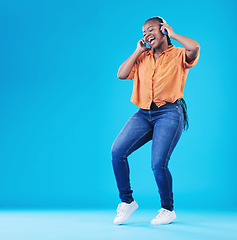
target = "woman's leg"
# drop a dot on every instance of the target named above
(167, 132)
(135, 133)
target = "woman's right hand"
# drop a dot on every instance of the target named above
(141, 46)
(127, 66)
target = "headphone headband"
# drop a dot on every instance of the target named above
(161, 19)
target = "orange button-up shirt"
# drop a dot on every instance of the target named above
(161, 81)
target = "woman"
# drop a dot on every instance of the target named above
(159, 74)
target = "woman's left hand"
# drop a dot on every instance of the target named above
(169, 29)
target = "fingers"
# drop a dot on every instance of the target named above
(143, 41)
(143, 44)
(163, 25)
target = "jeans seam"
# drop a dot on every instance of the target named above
(174, 136)
(137, 141)
(172, 143)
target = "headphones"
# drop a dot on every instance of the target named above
(163, 20)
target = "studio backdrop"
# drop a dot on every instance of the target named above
(62, 105)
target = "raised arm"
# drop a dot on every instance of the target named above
(126, 67)
(192, 46)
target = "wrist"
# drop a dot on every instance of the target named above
(138, 52)
(173, 35)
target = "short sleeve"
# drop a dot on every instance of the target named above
(190, 64)
(131, 74)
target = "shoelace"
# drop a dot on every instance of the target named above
(120, 209)
(161, 212)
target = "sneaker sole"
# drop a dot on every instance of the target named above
(168, 222)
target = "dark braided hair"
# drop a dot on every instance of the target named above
(184, 106)
(181, 101)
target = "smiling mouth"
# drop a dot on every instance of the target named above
(151, 41)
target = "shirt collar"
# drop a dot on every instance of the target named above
(151, 51)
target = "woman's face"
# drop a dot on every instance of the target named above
(152, 34)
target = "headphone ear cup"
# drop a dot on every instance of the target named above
(165, 32)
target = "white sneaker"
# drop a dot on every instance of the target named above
(124, 211)
(164, 217)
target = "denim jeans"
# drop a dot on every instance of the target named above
(164, 126)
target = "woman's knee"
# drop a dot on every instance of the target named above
(116, 151)
(159, 165)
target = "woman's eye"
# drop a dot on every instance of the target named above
(151, 30)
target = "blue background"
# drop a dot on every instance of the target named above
(62, 105)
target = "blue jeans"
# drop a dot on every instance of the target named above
(164, 125)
